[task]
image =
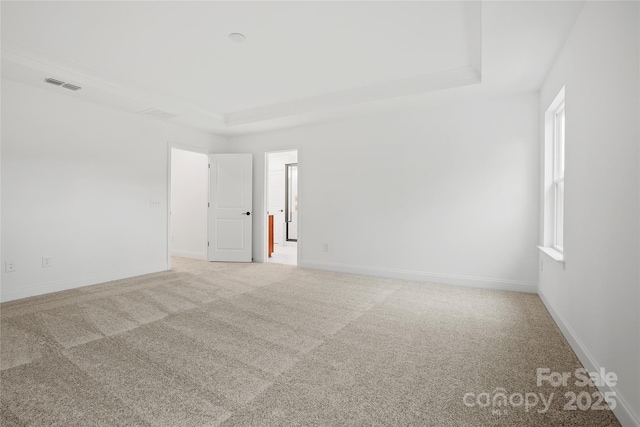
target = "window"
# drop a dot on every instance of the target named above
(553, 200)
(558, 178)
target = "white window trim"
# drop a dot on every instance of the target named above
(554, 254)
(558, 165)
(553, 175)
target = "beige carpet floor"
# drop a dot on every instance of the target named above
(211, 344)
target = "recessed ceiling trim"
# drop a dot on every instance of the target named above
(489, 40)
(154, 112)
(467, 74)
(473, 24)
(94, 84)
(415, 85)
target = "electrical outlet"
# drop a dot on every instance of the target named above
(10, 266)
(46, 261)
(325, 247)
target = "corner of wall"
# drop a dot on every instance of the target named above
(623, 410)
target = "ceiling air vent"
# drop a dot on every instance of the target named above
(157, 113)
(54, 82)
(57, 82)
(71, 87)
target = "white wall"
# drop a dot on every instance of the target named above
(444, 194)
(77, 184)
(189, 197)
(596, 299)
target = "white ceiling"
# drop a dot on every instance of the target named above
(302, 62)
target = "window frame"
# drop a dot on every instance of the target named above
(558, 176)
(553, 179)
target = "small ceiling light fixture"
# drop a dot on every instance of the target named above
(237, 37)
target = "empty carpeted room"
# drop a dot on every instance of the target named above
(157, 158)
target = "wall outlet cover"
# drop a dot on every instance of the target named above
(10, 266)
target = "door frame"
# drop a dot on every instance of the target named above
(287, 167)
(171, 146)
(265, 206)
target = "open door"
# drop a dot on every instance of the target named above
(230, 207)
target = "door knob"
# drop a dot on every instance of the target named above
(248, 213)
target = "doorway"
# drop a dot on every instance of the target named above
(282, 207)
(210, 214)
(291, 201)
(189, 171)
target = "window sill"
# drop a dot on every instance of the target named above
(553, 254)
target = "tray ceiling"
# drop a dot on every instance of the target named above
(300, 61)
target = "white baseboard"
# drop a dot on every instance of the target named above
(447, 279)
(622, 410)
(188, 254)
(78, 282)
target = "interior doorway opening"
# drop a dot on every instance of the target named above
(291, 202)
(188, 197)
(282, 207)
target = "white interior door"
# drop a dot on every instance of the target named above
(230, 210)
